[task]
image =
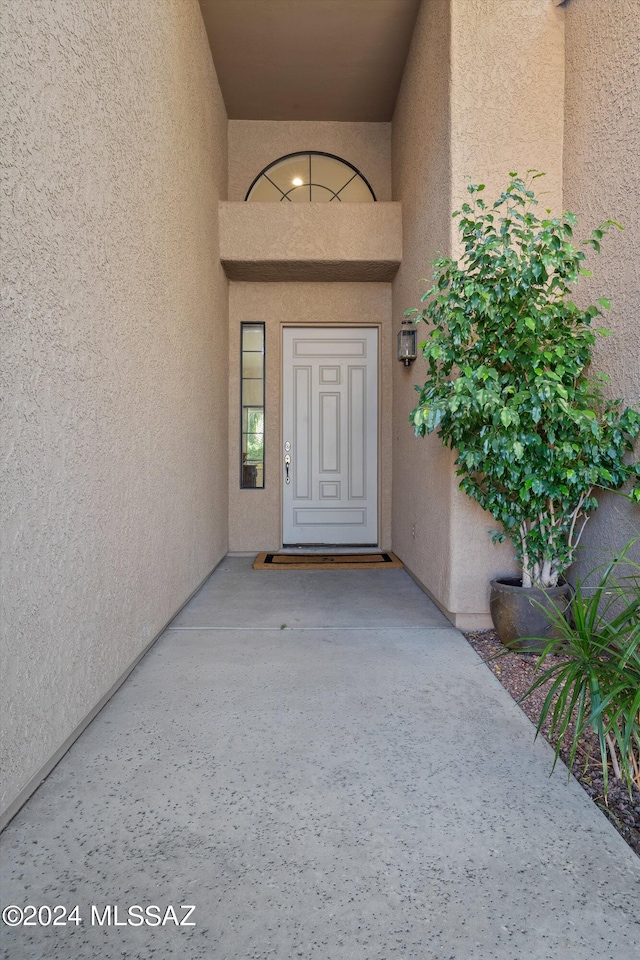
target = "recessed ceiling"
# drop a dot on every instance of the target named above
(310, 59)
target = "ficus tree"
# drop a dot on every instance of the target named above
(509, 387)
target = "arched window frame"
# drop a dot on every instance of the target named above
(310, 153)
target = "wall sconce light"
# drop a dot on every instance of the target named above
(407, 337)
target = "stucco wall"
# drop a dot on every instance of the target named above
(507, 103)
(311, 241)
(507, 113)
(421, 181)
(462, 113)
(253, 144)
(601, 173)
(115, 330)
(255, 515)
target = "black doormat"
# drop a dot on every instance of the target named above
(326, 561)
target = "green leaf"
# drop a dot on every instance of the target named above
(510, 385)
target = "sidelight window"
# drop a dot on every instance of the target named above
(252, 405)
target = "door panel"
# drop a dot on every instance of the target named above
(330, 421)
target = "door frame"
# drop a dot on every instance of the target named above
(329, 325)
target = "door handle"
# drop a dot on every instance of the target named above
(287, 461)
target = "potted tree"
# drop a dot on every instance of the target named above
(507, 389)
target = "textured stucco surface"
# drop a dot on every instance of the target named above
(330, 271)
(115, 335)
(601, 177)
(462, 113)
(255, 516)
(506, 114)
(277, 241)
(253, 144)
(421, 181)
(507, 97)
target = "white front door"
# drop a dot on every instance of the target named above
(330, 435)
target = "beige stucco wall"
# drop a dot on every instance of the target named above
(507, 95)
(601, 175)
(253, 144)
(507, 113)
(311, 241)
(421, 181)
(255, 516)
(115, 336)
(462, 113)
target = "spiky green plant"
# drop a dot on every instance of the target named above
(596, 678)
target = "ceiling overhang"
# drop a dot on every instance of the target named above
(310, 59)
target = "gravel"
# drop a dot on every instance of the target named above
(516, 672)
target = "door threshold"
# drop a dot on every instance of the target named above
(292, 550)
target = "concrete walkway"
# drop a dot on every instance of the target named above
(320, 764)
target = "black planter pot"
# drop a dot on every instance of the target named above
(516, 614)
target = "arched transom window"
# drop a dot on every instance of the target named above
(310, 177)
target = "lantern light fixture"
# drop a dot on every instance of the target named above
(407, 338)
